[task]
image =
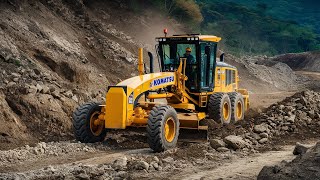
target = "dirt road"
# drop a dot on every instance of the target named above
(314, 79)
(315, 75)
(263, 100)
(228, 166)
(243, 168)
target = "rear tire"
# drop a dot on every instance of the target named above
(163, 128)
(84, 130)
(219, 108)
(237, 106)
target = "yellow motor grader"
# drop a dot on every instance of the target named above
(193, 84)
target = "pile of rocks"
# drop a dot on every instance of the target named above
(43, 150)
(231, 142)
(32, 81)
(150, 163)
(70, 171)
(139, 163)
(296, 113)
(119, 169)
(291, 115)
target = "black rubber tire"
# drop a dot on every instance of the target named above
(215, 107)
(81, 123)
(155, 128)
(235, 98)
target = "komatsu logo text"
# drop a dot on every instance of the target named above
(160, 81)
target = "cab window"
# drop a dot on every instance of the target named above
(171, 54)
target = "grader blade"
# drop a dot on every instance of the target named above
(193, 135)
(193, 127)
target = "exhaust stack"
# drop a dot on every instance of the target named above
(140, 64)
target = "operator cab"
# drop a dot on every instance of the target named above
(200, 52)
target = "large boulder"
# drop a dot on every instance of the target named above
(120, 163)
(216, 143)
(300, 149)
(260, 128)
(235, 142)
(141, 165)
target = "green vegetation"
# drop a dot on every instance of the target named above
(252, 31)
(251, 27)
(304, 12)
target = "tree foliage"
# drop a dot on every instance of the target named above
(190, 9)
(250, 26)
(252, 31)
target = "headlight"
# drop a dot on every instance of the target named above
(192, 39)
(188, 39)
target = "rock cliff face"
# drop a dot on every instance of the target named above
(55, 55)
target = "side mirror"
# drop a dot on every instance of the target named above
(222, 57)
(151, 62)
(207, 50)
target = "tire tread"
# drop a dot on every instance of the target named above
(81, 123)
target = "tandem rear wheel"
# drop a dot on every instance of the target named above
(226, 108)
(237, 106)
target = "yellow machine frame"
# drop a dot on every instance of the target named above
(119, 111)
(162, 102)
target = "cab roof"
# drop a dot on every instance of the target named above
(200, 37)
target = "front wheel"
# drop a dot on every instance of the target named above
(87, 127)
(163, 128)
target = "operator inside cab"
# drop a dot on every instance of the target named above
(188, 55)
(190, 69)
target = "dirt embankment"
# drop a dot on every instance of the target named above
(55, 55)
(268, 81)
(306, 64)
(261, 75)
(308, 61)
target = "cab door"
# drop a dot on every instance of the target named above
(207, 66)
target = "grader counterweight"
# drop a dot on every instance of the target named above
(194, 85)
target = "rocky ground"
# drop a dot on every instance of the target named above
(297, 115)
(295, 118)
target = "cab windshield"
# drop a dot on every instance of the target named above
(171, 54)
(200, 62)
